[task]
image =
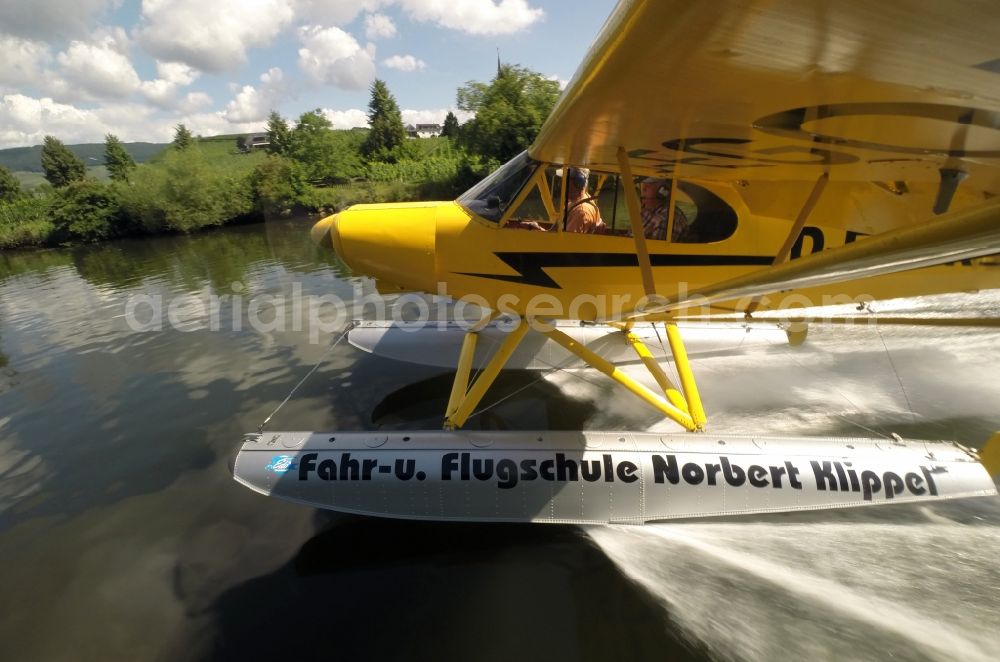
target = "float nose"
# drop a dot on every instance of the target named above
(325, 234)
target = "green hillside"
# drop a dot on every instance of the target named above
(29, 159)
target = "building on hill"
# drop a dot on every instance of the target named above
(423, 130)
(252, 141)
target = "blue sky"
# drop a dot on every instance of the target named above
(79, 69)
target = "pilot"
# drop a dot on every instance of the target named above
(582, 214)
(654, 194)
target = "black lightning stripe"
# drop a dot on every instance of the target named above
(530, 267)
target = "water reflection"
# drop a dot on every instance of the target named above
(123, 535)
(518, 399)
(381, 589)
(216, 258)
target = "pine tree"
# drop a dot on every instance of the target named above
(450, 127)
(182, 137)
(61, 166)
(10, 188)
(119, 162)
(387, 130)
(278, 134)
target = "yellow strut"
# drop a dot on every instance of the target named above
(463, 409)
(609, 369)
(687, 377)
(461, 384)
(635, 220)
(653, 366)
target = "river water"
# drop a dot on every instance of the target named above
(123, 535)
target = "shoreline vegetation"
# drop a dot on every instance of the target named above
(197, 183)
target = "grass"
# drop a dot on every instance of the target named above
(25, 222)
(221, 151)
(30, 180)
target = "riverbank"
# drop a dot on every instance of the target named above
(213, 184)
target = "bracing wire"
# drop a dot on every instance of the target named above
(892, 364)
(552, 369)
(786, 352)
(326, 354)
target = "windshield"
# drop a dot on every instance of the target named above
(491, 197)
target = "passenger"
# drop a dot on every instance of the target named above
(582, 214)
(655, 212)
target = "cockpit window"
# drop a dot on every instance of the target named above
(699, 216)
(491, 197)
(535, 208)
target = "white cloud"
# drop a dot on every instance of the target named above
(193, 101)
(26, 121)
(404, 63)
(331, 56)
(129, 121)
(162, 92)
(475, 16)
(213, 124)
(334, 12)
(159, 92)
(247, 106)
(379, 26)
(23, 60)
(210, 35)
(176, 73)
(50, 19)
(253, 104)
(101, 67)
(434, 116)
(346, 119)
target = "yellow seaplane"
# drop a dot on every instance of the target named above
(706, 158)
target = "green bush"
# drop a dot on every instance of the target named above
(184, 192)
(324, 200)
(10, 187)
(278, 184)
(429, 169)
(85, 210)
(25, 222)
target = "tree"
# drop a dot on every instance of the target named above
(278, 184)
(85, 210)
(279, 136)
(326, 156)
(60, 165)
(450, 127)
(10, 188)
(312, 122)
(387, 130)
(182, 137)
(509, 111)
(119, 162)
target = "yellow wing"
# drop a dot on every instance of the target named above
(890, 99)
